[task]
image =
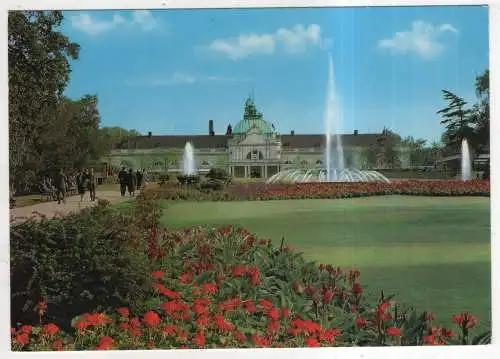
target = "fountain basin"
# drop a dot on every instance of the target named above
(346, 175)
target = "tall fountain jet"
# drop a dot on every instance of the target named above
(466, 163)
(188, 161)
(334, 152)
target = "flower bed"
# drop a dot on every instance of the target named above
(262, 191)
(224, 288)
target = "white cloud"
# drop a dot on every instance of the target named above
(85, 22)
(143, 19)
(294, 40)
(182, 78)
(423, 39)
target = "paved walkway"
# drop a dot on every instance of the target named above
(73, 204)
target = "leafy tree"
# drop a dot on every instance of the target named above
(457, 120)
(39, 66)
(109, 137)
(481, 112)
(416, 150)
(387, 144)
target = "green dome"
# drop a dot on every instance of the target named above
(252, 118)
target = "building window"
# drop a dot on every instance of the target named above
(255, 155)
(319, 162)
(205, 163)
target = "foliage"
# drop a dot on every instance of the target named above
(218, 174)
(110, 137)
(224, 288)
(38, 56)
(86, 261)
(470, 123)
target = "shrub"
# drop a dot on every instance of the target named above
(218, 174)
(87, 261)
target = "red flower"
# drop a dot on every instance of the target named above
(260, 341)
(50, 329)
(393, 332)
(266, 304)
(273, 326)
(151, 345)
(57, 345)
(26, 329)
(151, 319)
(360, 322)
(465, 320)
(171, 294)
(429, 317)
(329, 335)
(230, 304)
(328, 296)
(170, 329)
(124, 312)
(239, 336)
(238, 271)
(356, 289)
(186, 278)
(124, 326)
(222, 325)
(285, 312)
(182, 336)
(158, 275)
(249, 306)
(202, 321)
(199, 338)
(106, 343)
(21, 339)
(209, 288)
(273, 314)
(135, 323)
(312, 342)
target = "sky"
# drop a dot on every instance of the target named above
(171, 71)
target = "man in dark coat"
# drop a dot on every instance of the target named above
(122, 178)
(92, 184)
(138, 177)
(131, 181)
(60, 184)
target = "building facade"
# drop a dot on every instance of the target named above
(253, 148)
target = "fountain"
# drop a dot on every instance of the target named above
(189, 173)
(334, 170)
(466, 163)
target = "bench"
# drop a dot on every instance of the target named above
(47, 194)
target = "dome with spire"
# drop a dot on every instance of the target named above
(252, 119)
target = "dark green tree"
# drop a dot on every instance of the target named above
(39, 66)
(457, 120)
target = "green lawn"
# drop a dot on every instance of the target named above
(432, 252)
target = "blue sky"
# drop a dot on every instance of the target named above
(171, 71)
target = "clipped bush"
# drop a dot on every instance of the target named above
(218, 174)
(93, 260)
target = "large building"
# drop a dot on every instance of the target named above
(252, 148)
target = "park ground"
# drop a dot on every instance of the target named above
(431, 252)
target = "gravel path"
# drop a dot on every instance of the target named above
(73, 204)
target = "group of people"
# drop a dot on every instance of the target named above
(85, 180)
(130, 181)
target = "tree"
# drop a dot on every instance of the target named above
(387, 144)
(415, 149)
(457, 120)
(109, 137)
(39, 68)
(481, 112)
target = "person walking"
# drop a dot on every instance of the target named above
(92, 184)
(82, 183)
(138, 177)
(60, 184)
(122, 178)
(131, 182)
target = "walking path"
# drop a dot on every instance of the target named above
(73, 204)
